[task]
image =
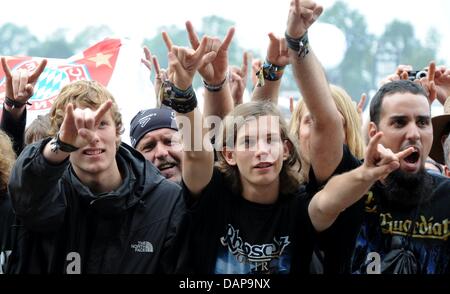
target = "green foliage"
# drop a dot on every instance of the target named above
(90, 36)
(400, 42)
(16, 40)
(55, 46)
(368, 58)
(353, 74)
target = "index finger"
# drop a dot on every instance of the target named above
(297, 6)
(6, 69)
(193, 38)
(147, 53)
(167, 41)
(404, 153)
(227, 41)
(102, 110)
(244, 67)
(372, 147)
(156, 65)
(361, 102)
(431, 71)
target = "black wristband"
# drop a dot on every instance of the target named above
(177, 99)
(15, 104)
(215, 88)
(300, 45)
(56, 144)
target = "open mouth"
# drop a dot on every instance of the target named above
(263, 165)
(167, 165)
(91, 152)
(413, 157)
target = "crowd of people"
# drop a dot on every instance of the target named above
(232, 188)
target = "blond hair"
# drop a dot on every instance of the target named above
(38, 129)
(289, 174)
(7, 159)
(89, 94)
(352, 124)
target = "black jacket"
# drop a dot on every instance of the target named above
(6, 222)
(130, 230)
(15, 129)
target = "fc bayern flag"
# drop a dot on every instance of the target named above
(115, 63)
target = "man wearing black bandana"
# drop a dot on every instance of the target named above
(154, 134)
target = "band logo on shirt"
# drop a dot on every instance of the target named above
(246, 252)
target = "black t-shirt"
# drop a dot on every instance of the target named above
(371, 225)
(230, 235)
(384, 229)
(6, 222)
(337, 242)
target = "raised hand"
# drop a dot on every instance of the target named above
(184, 62)
(302, 14)
(277, 52)
(238, 80)
(20, 83)
(442, 82)
(380, 161)
(428, 82)
(213, 72)
(160, 73)
(256, 65)
(80, 125)
(360, 106)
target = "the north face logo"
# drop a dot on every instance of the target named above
(142, 246)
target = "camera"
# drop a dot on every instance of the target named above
(417, 74)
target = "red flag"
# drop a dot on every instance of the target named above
(114, 63)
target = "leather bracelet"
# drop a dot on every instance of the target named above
(15, 104)
(56, 144)
(215, 88)
(177, 99)
(300, 45)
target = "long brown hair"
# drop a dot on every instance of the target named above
(289, 174)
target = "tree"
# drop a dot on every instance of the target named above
(355, 73)
(399, 41)
(55, 46)
(90, 36)
(16, 40)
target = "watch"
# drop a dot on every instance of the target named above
(56, 144)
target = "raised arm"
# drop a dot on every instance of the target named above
(238, 80)
(271, 71)
(19, 89)
(327, 134)
(198, 156)
(218, 99)
(160, 73)
(344, 190)
(35, 185)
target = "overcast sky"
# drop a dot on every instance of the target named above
(254, 18)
